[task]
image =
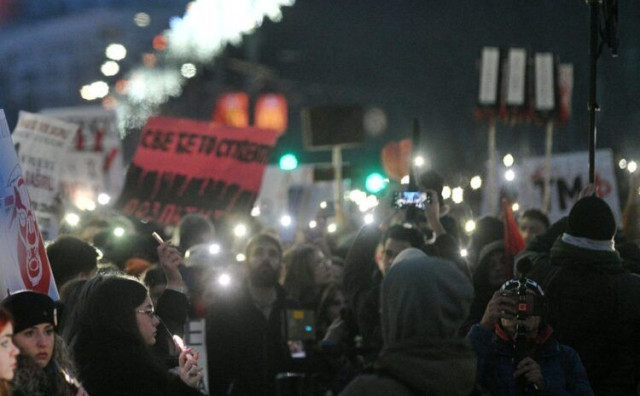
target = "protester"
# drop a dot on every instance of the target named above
(194, 229)
(546, 366)
(424, 302)
(44, 365)
(488, 229)
(156, 281)
(364, 272)
(71, 258)
(533, 222)
(305, 273)
(117, 327)
(246, 339)
(593, 299)
(8, 353)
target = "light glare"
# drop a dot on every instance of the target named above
(509, 175)
(470, 226)
(508, 160)
(103, 198)
(72, 219)
(286, 221)
(240, 230)
(446, 192)
(214, 248)
(116, 52)
(457, 195)
(476, 182)
(331, 228)
(632, 166)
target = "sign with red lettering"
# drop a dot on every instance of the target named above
(24, 263)
(41, 143)
(183, 166)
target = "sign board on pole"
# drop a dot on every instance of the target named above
(24, 263)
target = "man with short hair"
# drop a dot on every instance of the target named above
(245, 336)
(71, 258)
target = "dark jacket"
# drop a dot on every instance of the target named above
(561, 367)
(245, 351)
(594, 309)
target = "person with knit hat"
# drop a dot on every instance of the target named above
(424, 302)
(515, 348)
(44, 366)
(592, 297)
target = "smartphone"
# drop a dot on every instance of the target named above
(300, 329)
(405, 199)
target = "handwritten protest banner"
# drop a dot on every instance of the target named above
(41, 143)
(24, 263)
(183, 166)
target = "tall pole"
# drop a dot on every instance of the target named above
(593, 105)
(493, 188)
(338, 195)
(546, 196)
(415, 146)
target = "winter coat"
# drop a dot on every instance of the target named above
(561, 367)
(424, 302)
(33, 380)
(593, 308)
(245, 351)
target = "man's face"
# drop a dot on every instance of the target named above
(530, 227)
(263, 264)
(390, 250)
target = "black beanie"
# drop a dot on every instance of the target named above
(592, 218)
(30, 308)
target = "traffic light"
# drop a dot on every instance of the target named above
(288, 162)
(374, 183)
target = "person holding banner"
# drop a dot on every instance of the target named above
(8, 352)
(44, 366)
(117, 325)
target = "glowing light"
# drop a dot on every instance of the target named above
(286, 221)
(255, 211)
(103, 198)
(331, 228)
(90, 206)
(457, 195)
(632, 166)
(369, 203)
(142, 19)
(476, 182)
(240, 257)
(116, 52)
(622, 164)
(515, 207)
(464, 253)
(470, 226)
(418, 161)
(446, 192)
(509, 175)
(288, 162)
(240, 230)
(313, 224)
(110, 68)
(323, 205)
(357, 196)
(404, 180)
(72, 219)
(375, 183)
(508, 160)
(214, 248)
(368, 218)
(118, 231)
(188, 70)
(224, 279)
(95, 90)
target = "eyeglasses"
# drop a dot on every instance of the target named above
(150, 312)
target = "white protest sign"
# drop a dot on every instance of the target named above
(41, 143)
(24, 263)
(569, 175)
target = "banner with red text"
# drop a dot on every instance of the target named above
(42, 143)
(183, 166)
(24, 263)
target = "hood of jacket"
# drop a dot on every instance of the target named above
(571, 256)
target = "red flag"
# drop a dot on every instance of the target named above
(513, 242)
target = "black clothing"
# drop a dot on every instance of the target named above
(245, 351)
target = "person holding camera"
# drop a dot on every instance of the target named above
(516, 351)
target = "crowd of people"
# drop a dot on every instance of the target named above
(398, 312)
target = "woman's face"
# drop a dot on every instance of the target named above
(37, 341)
(8, 353)
(147, 321)
(321, 269)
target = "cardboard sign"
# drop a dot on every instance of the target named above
(183, 166)
(24, 263)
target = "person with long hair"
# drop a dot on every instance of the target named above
(115, 329)
(8, 353)
(305, 273)
(44, 366)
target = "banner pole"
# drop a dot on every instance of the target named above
(546, 198)
(338, 195)
(493, 188)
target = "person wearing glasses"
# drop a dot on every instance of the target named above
(117, 326)
(44, 366)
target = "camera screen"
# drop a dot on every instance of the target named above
(405, 199)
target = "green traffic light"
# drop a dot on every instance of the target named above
(374, 183)
(288, 162)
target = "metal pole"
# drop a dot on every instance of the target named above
(338, 195)
(546, 197)
(493, 188)
(593, 105)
